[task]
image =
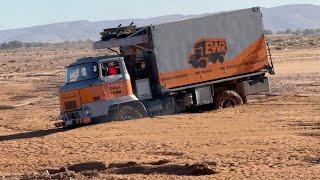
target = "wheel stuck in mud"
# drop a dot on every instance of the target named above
(227, 99)
(128, 112)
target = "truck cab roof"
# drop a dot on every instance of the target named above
(93, 59)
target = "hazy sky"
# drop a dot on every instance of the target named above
(24, 13)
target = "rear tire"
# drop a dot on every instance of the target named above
(227, 99)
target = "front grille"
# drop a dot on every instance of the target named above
(71, 105)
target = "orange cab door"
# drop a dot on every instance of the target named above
(92, 94)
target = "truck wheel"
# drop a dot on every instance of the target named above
(228, 99)
(127, 112)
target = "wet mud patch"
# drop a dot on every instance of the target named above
(162, 167)
(313, 160)
(312, 134)
(90, 166)
(20, 97)
(86, 170)
(168, 153)
(99, 170)
(6, 107)
(310, 128)
(303, 125)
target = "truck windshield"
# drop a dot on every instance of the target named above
(81, 72)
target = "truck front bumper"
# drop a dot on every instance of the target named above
(75, 118)
(70, 123)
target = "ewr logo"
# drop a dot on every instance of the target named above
(208, 50)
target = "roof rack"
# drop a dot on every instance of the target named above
(122, 36)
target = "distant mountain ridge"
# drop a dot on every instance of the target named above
(277, 18)
(76, 30)
(302, 16)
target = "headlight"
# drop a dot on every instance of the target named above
(87, 111)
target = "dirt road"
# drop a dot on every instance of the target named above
(274, 136)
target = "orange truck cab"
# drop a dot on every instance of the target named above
(92, 86)
(169, 68)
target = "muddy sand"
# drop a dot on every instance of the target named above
(274, 136)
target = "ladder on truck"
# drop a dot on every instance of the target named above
(271, 68)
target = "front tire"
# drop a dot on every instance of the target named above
(227, 99)
(127, 112)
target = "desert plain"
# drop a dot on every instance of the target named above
(274, 136)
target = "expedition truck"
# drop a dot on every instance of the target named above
(214, 60)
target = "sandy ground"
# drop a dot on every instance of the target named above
(276, 136)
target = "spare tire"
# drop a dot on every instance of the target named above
(227, 99)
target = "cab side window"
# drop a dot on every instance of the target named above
(110, 68)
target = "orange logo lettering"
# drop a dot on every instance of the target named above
(208, 50)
